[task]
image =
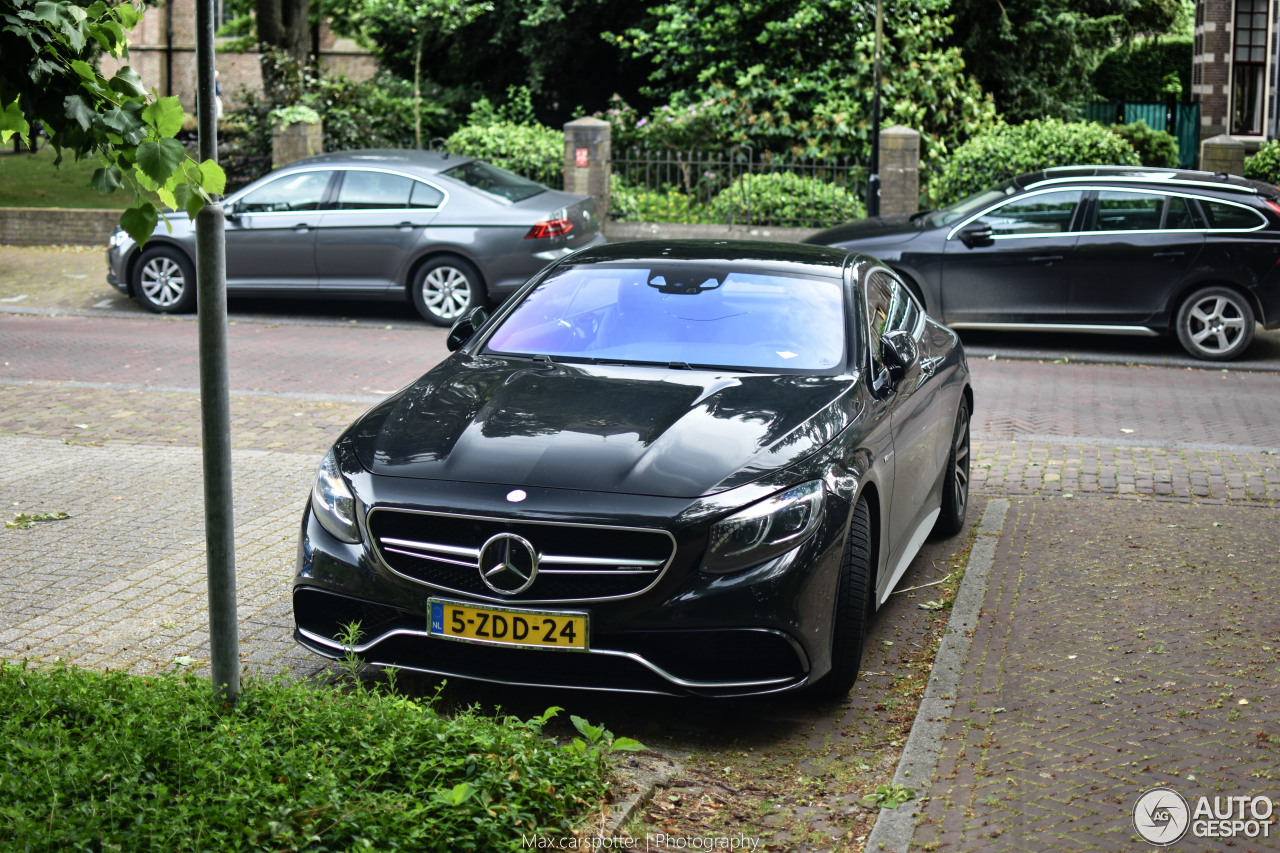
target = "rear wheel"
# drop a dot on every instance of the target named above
(165, 281)
(445, 289)
(1215, 323)
(853, 609)
(955, 483)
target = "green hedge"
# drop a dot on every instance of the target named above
(785, 198)
(1148, 70)
(1264, 165)
(529, 149)
(1010, 150)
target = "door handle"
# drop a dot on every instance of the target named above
(405, 226)
(1045, 259)
(1168, 256)
(302, 226)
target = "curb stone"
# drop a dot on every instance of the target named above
(894, 828)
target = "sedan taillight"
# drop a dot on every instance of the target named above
(549, 228)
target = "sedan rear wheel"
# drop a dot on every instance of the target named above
(955, 485)
(445, 289)
(165, 281)
(853, 609)
(1215, 323)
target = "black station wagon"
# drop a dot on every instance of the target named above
(1096, 249)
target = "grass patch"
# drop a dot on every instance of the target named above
(109, 761)
(31, 180)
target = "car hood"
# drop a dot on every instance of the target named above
(628, 429)
(880, 230)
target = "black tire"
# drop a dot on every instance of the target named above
(955, 479)
(853, 609)
(1215, 323)
(445, 289)
(164, 281)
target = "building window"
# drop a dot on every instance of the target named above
(1199, 13)
(1249, 63)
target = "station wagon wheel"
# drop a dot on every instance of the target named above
(853, 609)
(955, 483)
(445, 289)
(164, 281)
(1215, 323)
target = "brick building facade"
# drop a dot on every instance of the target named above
(1233, 69)
(162, 49)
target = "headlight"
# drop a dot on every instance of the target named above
(764, 530)
(120, 237)
(333, 503)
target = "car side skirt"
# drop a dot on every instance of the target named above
(1091, 328)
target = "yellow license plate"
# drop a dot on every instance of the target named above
(535, 629)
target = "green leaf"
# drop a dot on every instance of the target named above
(47, 12)
(85, 70)
(189, 198)
(138, 222)
(128, 83)
(627, 744)
(105, 179)
(13, 121)
(165, 115)
(128, 15)
(167, 197)
(158, 159)
(118, 120)
(78, 110)
(212, 179)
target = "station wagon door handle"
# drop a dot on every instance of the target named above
(405, 226)
(302, 226)
(1168, 256)
(1046, 259)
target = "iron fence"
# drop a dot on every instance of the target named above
(738, 187)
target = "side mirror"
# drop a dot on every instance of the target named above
(976, 235)
(899, 351)
(464, 328)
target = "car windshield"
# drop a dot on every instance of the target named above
(961, 209)
(491, 179)
(681, 315)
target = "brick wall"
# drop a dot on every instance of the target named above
(51, 226)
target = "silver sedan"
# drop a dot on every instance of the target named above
(444, 231)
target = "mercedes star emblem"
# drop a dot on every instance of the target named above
(508, 564)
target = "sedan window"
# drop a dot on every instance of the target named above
(1117, 210)
(425, 195)
(1043, 213)
(373, 191)
(491, 179)
(298, 191)
(682, 316)
(1225, 216)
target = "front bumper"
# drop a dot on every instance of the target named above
(761, 630)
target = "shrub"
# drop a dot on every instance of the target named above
(1009, 150)
(1154, 147)
(1264, 165)
(785, 198)
(529, 149)
(1149, 70)
(639, 204)
(114, 762)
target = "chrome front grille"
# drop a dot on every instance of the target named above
(575, 562)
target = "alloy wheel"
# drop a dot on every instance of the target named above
(446, 291)
(163, 281)
(1215, 324)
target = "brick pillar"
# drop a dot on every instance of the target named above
(899, 170)
(296, 141)
(586, 160)
(1222, 154)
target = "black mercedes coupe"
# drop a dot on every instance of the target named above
(662, 467)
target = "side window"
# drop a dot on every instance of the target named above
(1223, 215)
(889, 308)
(1046, 213)
(1178, 214)
(1117, 210)
(299, 191)
(425, 195)
(373, 191)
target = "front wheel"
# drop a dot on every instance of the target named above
(853, 609)
(1215, 323)
(165, 281)
(445, 289)
(955, 483)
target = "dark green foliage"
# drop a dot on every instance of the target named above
(1264, 165)
(1147, 70)
(113, 762)
(1014, 149)
(1154, 147)
(1035, 56)
(509, 135)
(785, 198)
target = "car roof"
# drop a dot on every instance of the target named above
(740, 254)
(1143, 175)
(398, 159)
